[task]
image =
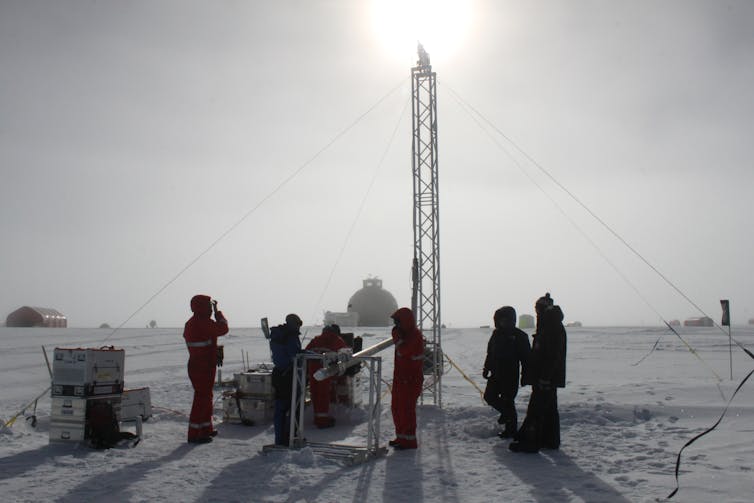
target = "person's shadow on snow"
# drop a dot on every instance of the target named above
(123, 482)
(403, 476)
(554, 476)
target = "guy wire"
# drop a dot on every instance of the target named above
(277, 189)
(361, 208)
(464, 106)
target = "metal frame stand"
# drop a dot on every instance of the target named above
(425, 301)
(350, 454)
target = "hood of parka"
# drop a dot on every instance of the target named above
(406, 320)
(200, 305)
(553, 315)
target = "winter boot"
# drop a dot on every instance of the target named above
(523, 447)
(508, 432)
(324, 422)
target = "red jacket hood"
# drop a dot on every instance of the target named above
(200, 305)
(406, 320)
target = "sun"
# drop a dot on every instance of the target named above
(440, 25)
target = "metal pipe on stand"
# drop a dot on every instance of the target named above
(339, 368)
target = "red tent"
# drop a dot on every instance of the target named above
(36, 317)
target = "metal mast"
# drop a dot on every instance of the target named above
(425, 300)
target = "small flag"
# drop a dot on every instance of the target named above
(726, 313)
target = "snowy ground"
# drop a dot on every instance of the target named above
(622, 426)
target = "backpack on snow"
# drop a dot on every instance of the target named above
(102, 428)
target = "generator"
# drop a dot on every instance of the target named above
(246, 410)
(255, 383)
(253, 400)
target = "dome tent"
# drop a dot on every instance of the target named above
(36, 317)
(373, 304)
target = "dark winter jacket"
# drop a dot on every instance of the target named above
(201, 332)
(506, 350)
(284, 345)
(547, 361)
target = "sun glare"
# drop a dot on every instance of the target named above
(440, 25)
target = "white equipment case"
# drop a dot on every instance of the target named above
(256, 384)
(86, 372)
(135, 403)
(68, 416)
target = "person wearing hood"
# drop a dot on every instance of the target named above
(507, 352)
(329, 341)
(547, 369)
(408, 377)
(284, 345)
(201, 333)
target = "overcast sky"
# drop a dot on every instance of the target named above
(134, 134)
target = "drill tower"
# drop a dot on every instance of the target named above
(425, 299)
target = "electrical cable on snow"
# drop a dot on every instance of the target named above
(277, 189)
(678, 459)
(625, 243)
(360, 210)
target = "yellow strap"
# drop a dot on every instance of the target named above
(20, 412)
(481, 393)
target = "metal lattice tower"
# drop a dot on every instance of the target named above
(425, 300)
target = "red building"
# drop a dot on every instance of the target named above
(36, 317)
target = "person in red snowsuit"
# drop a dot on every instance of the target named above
(201, 333)
(408, 377)
(329, 341)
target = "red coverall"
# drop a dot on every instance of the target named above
(329, 340)
(201, 334)
(408, 377)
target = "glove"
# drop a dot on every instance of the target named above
(486, 374)
(220, 356)
(352, 371)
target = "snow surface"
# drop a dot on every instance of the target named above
(622, 427)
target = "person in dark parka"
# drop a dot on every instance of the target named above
(284, 345)
(547, 367)
(507, 352)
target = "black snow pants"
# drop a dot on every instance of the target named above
(501, 396)
(541, 427)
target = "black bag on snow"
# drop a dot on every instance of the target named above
(102, 428)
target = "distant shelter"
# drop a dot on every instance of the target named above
(36, 317)
(702, 321)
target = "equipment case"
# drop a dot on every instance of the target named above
(135, 402)
(84, 372)
(257, 384)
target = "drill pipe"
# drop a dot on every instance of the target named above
(339, 368)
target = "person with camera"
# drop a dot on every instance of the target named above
(201, 333)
